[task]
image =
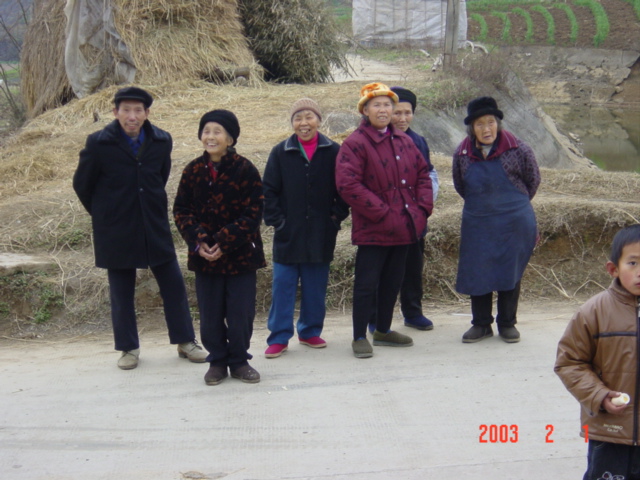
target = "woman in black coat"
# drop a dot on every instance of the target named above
(303, 206)
(218, 210)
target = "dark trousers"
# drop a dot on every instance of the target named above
(378, 277)
(481, 306)
(122, 286)
(612, 461)
(411, 290)
(227, 306)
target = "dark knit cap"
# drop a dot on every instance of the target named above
(133, 93)
(405, 95)
(481, 106)
(227, 119)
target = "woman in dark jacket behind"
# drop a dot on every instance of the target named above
(303, 206)
(382, 175)
(497, 176)
(218, 210)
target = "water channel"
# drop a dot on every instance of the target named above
(610, 138)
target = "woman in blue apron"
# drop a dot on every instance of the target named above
(497, 176)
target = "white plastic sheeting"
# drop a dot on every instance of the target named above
(95, 56)
(415, 22)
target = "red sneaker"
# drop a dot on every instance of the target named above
(275, 350)
(313, 342)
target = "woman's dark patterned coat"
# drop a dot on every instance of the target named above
(227, 211)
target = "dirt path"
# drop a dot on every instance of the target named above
(67, 413)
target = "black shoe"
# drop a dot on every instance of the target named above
(509, 334)
(215, 375)
(246, 373)
(477, 333)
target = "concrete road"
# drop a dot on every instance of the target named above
(440, 409)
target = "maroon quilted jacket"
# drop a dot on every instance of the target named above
(385, 180)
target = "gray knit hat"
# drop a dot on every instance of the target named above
(305, 104)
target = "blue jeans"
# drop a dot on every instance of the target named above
(313, 279)
(612, 461)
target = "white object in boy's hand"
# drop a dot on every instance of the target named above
(622, 399)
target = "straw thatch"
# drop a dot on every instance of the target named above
(44, 83)
(169, 40)
(181, 40)
(296, 41)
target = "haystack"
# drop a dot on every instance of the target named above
(296, 41)
(168, 40)
(184, 40)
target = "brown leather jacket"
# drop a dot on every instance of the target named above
(598, 353)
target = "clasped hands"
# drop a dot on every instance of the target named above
(209, 253)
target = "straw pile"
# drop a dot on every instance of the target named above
(44, 82)
(296, 41)
(181, 40)
(169, 40)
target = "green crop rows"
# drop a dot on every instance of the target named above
(506, 10)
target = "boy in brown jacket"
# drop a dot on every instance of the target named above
(598, 359)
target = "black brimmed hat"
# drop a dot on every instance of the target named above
(478, 107)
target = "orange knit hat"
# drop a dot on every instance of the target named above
(371, 90)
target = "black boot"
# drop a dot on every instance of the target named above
(477, 333)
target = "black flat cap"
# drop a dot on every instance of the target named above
(133, 93)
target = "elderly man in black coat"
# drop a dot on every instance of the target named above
(120, 180)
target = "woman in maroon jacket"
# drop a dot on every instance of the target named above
(381, 174)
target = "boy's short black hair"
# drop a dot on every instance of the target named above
(626, 236)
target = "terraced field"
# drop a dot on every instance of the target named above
(610, 24)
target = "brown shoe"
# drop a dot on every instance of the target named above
(215, 375)
(246, 373)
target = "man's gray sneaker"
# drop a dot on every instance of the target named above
(129, 360)
(192, 351)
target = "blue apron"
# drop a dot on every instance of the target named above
(498, 231)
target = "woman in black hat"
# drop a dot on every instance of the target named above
(497, 176)
(218, 210)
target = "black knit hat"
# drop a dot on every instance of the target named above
(481, 106)
(405, 95)
(133, 93)
(227, 119)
